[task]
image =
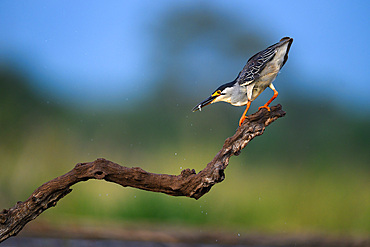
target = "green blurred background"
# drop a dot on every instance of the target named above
(309, 172)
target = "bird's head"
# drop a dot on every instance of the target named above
(222, 93)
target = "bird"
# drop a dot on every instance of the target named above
(258, 74)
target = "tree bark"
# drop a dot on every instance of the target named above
(188, 183)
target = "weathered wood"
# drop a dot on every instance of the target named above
(188, 183)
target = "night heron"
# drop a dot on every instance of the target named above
(258, 74)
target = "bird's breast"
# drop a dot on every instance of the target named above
(239, 96)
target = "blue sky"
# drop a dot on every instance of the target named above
(98, 47)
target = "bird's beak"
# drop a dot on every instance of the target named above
(204, 103)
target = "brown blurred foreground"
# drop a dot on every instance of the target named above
(43, 234)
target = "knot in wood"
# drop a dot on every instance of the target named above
(99, 174)
(187, 172)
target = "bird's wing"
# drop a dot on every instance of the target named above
(251, 71)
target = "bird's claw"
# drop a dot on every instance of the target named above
(264, 106)
(241, 120)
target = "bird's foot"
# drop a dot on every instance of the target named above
(241, 120)
(264, 106)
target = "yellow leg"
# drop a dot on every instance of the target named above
(268, 102)
(245, 112)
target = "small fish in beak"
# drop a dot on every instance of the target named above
(204, 103)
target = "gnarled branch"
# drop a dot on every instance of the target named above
(188, 183)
